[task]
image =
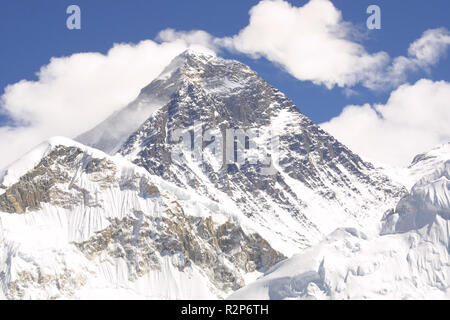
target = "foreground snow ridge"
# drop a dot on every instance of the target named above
(409, 260)
(81, 224)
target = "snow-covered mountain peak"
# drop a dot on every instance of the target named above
(198, 51)
(190, 58)
(426, 163)
(206, 70)
(315, 173)
(422, 165)
(208, 74)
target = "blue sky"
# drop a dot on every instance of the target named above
(35, 31)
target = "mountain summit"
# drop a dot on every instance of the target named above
(315, 182)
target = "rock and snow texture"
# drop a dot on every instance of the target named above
(136, 222)
(81, 224)
(408, 260)
(316, 183)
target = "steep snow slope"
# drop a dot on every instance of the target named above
(409, 260)
(423, 164)
(296, 192)
(77, 223)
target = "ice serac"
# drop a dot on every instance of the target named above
(77, 223)
(408, 260)
(317, 183)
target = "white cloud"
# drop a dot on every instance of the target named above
(414, 119)
(72, 94)
(422, 54)
(430, 47)
(313, 43)
(197, 39)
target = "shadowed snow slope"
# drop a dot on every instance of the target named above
(410, 259)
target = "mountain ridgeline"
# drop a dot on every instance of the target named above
(314, 176)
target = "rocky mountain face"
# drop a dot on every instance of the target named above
(292, 179)
(80, 221)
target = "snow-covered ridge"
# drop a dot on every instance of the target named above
(124, 169)
(15, 170)
(425, 163)
(422, 165)
(409, 260)
(12, 173)
(78, 223)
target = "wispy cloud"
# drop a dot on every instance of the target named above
(423, 53)
(72, 94)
